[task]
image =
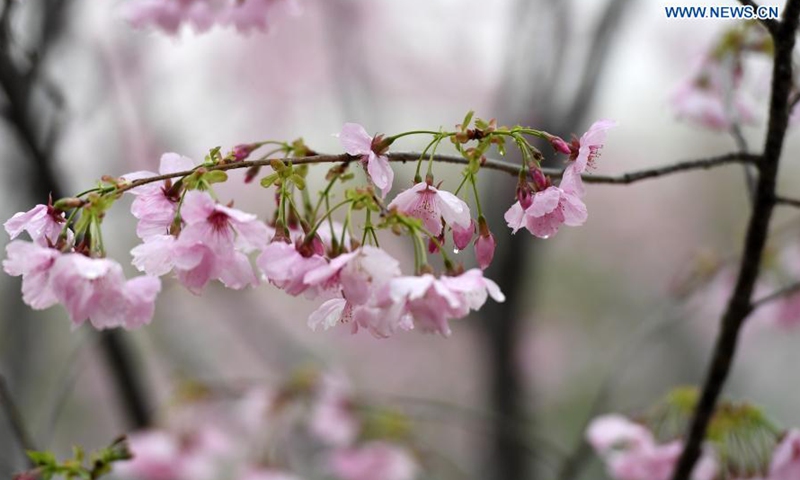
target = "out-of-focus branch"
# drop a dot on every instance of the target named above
(788, 202)
(740, 304)
(19, 82)
(768, 23)
(784, 292)
(14, 418)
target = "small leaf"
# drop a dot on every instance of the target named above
(215, 176)
(269, 180)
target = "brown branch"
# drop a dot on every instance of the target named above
(777, 295)
(740, 304)
(15, 419)
(498, 165)
(788, 202)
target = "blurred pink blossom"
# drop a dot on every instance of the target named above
(372, 461)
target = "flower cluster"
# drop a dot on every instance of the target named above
(542, 207)
(741, 444)
(208, 437)
(189, 234)
(55, 270)
(170, 15)
(715, 95)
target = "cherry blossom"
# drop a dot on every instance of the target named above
(96, 289)
(169, 15)
(432, 301)
(34, 263)
(372, 461)
(357, 142)
(333, 418)
(43, 223)
(285, 267)
(155, 204)
(432, 206)
(786, 458)
(584, 153)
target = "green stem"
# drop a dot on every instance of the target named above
(412, 132)
(477, 197)
(327, 215)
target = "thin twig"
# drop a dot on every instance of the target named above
(15, 419)
(777, 295)
(788, 202)
(740, 303)
(499, 165)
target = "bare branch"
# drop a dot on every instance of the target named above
(788, 202)
(786, 291)
(740, 303)
(15, 419)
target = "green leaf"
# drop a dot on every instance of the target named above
(299, 181)
(467, 119)
(269, 180)
(215, 176)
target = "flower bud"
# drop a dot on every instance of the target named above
(251, 173)
(484, 250)
(560, 145)
(540, 181)
(524, 196)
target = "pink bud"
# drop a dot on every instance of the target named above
(462, 236)
(484, 250)
(539, 179)
(525, 198)
(559, 145)
(241, 152)
(433, 246)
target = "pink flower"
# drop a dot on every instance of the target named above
(631, 452)
(213, 244)
(220, 228)
(34, 263)
(432, 205)
(357, 142)
(549, 210)
(169, 15)
(610, 432)
(374, 460)
(285, 267)
(432, 301)
(42, 222)
(96, 289)
(786, 458)
(156, 456)
(590, 144)
(155, 205)
(711, 97)
(333, 418)
(359, 273)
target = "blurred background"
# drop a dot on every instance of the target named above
(591, 325)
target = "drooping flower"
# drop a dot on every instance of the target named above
(286, 267)
(95, 289)
(34, 263)
(359, 273)
(549, 209)
(432, 205)
(156, 204)
(357, 142)
(43, 223)
(374, 460)
(432, 301)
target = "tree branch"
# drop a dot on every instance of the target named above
(15, 419)
(777, 295)
(498, 165)
(788, 202)
(740, 304)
